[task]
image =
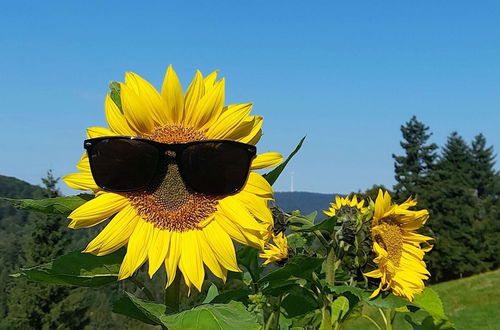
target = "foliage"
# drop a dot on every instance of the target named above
(413, 168)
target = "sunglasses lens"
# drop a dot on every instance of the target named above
(123, 164)
(216, 168)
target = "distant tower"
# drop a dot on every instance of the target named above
(291, 181)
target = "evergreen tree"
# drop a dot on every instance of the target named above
(41, 306)
(454, 217)
(412, 168)
(486, 182)
(484, 176)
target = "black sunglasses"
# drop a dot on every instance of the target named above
(127, 163)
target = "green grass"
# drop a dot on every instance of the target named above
(470, 303)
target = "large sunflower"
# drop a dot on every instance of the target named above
(174, 226)
(399, 256)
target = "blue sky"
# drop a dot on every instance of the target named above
(346, 74)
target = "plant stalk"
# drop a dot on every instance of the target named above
(172, 293)
(330, 267)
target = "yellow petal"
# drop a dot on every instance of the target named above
(83, 164)
(116, 120)
(238, 233)
(209, 81)
(254, 136)
(172, 94)
(221, 245)
(137, 249)
(209, 108)
(209, 258)
(94, 132)
(257, 185)
(191, 262)
(265, 160)
(158, 250)
(234, 209)
(153, 101)
(115, 234)
(173, 256)
(135, 110)
(97, 210)
(256, 205)
(81, 181)
(229, 121)
(194, 93)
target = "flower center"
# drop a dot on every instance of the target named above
(168, 203)
(390, 237)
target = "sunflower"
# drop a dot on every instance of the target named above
(399, 256)
(345, 205)
(277, 251)
(174, 226)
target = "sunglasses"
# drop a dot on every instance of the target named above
(127, 163)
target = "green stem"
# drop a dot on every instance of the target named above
(389, 318)
(172, 293)
(326, 320)
(267, 326)
(372, 321)
(330, 267)
(143, 288)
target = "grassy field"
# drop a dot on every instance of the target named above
(470, 303)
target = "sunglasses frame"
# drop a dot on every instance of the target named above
(178, 148)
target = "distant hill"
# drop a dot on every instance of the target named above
(306, 202)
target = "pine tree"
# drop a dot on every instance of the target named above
(454, 217)
(412, 169)
(484, 176)
(486, 182)
(41, 306)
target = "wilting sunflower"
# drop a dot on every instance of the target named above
(345, 205)
(399, 256)
(277, 251)
(173, 225)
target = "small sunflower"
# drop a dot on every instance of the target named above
(399, 256)
(172, 225)
(345, 205)
(277, 251)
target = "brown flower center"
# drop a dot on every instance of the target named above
(390, 238)
(168, 203)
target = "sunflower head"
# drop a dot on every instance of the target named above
(170, 224)
(345, 206)
(398, 250)
(276, 251)
(349, 212)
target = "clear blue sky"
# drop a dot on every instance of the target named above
(347, 74)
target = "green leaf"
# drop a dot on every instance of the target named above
(327, 225)
(211, 294)
(240, 294)
(383, 300)
(77, 268)
(296, 267)
(139, 309)
(115, 94)
(340, 307)
(249, 258)
(299, 301)
(272, 176)
(58, 205)
(430, 302)
(429, 324)
(218, 316)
